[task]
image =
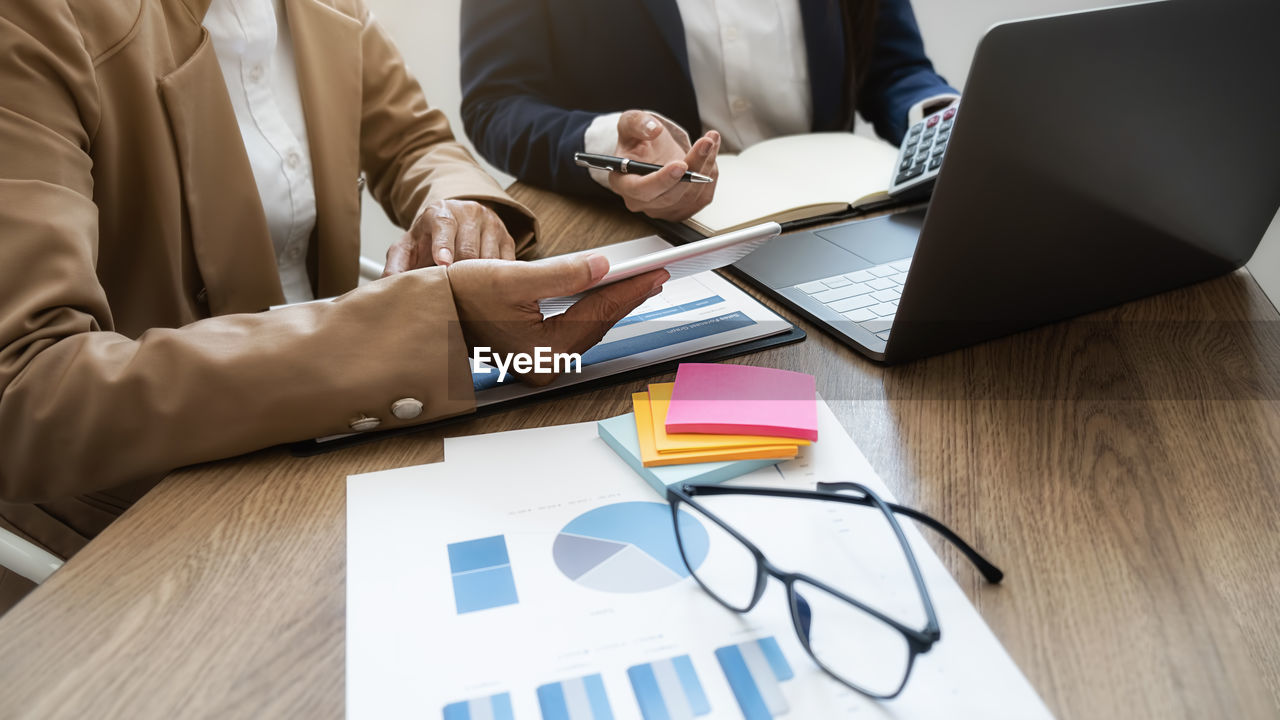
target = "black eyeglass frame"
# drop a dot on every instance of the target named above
(918, 641)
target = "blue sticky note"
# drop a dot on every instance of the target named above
(620, 434)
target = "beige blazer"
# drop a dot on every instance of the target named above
(136, 263)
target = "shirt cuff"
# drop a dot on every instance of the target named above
(601, 138)
(917, 111)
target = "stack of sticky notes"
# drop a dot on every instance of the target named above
(715, 422)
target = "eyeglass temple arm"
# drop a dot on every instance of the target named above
(989, 571)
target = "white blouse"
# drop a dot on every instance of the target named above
(255, 51)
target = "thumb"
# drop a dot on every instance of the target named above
(558, 276)
(638, 126)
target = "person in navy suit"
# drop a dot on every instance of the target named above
(543, 79)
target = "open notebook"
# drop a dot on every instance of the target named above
(798, 177)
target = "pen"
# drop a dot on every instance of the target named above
(627, 166)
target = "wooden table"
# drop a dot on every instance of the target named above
(1121, 467)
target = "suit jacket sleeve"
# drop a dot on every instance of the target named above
(409, 153)
(83, 408)
(900, 74)
(508, 106)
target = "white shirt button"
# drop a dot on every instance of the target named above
(406, 408)
(293, 253)
(739, 105)
(293, 160)
(731, 33)
(256, 73)
(364, 423)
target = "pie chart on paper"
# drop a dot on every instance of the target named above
(628, 547)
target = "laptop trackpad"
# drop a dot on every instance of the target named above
(796, 258)
(880, 240)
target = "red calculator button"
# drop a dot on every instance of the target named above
(950, 113)
(934, 120)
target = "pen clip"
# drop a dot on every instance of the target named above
(581, 161)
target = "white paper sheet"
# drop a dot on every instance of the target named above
(411, 653)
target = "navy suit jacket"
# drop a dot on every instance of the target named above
(535, 73)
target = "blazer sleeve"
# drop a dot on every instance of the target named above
(84, 408)
(407, 150)
(900, 74)
(507, 96)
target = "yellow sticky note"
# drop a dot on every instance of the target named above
(649, 456)
(665, 442)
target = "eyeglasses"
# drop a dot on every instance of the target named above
(858, 645)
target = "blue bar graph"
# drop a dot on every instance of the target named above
(754, 670)
(495, 707)
(576, 699)
(481, 573)
(669, 690)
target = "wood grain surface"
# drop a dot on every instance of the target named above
(1122, 468)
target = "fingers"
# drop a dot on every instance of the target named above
(643, 191)
(637, 126)
(558, 276)
(583, 324)
(702, 156)
(400, 256)
(437, 231)
(495, 241)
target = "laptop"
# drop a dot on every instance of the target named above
(1097, 157)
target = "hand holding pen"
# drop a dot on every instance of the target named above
(664, 194)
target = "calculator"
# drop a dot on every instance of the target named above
(920, 158)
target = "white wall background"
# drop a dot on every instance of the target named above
(427, 34)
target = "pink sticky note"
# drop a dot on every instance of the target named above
(738, 399)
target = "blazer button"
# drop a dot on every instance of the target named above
(406, 408)
(364, 422)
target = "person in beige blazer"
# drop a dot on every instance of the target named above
(136, 266)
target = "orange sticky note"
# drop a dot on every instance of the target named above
(665, 442)
(649, 456)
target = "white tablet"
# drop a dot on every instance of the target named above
(680, 261)
(695, 257)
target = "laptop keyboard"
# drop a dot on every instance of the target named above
(867, 297)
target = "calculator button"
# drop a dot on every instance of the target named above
(950, 113)
(906, 164)
(933, 121)
(937, 163)
(811, 288)
(940, 148)
(917, 129)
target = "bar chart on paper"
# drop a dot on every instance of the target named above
(669, 690)
(755, 670)
(494, 707)
(580, 698)
(628, 547)
(481, 572)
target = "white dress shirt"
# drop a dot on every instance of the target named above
(255, 51)
(750, 72)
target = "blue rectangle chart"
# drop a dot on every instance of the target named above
(754, 670)
(494, 707)
(481, 573)
(669, 690)
(577, 699)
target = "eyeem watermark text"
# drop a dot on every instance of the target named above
(541, 362)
